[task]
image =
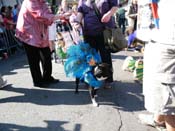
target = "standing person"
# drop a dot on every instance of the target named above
(15, 12)
(93, 26)
(159, 67)
(132, 14)
(32, 29)
(77, 32)
(121, 18)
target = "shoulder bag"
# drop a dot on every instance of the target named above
(114, 39)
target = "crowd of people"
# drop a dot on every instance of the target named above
(8, 19)
(158, 77)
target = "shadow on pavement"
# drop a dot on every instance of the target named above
(48, 96)
(17, 61)
(51, 126)
(123, 96)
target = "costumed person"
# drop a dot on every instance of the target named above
(81, 59)
(32, 29)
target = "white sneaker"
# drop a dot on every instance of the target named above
(3, 84)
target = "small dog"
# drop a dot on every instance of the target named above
(101, 72)
(84, 63)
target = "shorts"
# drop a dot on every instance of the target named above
(159, 78)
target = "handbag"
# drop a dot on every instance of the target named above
(114, 39)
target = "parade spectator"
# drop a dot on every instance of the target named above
(9, 28)
(15, 12)
(121, 18)
(77, 30)
(7, 18)
(1, 24)
(159, 67)
(131, 37)
(32, 29)
(93, 27)
(132, 14)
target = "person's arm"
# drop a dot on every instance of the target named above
(78, 20)
(42, 13)
(107, 16)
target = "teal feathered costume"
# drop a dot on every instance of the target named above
(78, 64)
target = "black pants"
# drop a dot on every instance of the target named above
(97, 42)
(36, 55)
(121, 24)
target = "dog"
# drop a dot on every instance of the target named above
(84, 64)
(101, 72)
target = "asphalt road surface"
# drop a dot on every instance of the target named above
(56, 108)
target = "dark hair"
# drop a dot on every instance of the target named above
(15, 6)
(120, 5)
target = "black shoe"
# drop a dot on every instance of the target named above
(52, 80)
(41, 85)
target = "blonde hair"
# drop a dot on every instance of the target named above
(74, 7)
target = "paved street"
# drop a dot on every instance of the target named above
(27, 108)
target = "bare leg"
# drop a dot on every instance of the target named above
(170, 122)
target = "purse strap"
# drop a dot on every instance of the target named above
(97, 12)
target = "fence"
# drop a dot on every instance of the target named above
(8, 42)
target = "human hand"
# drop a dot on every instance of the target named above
(76, 25)
(67, 14)
(58, 16)
(106, 17)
